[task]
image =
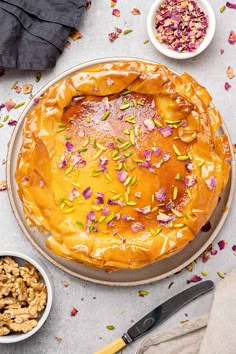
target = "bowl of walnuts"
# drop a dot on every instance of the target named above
(25, 296)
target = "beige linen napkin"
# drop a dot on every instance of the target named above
(213, 334)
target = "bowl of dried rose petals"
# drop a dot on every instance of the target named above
(181, 29)
(25, 296)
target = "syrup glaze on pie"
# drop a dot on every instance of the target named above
(120, 162)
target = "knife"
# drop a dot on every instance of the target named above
(157, 316)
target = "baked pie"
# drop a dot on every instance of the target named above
(122, 164)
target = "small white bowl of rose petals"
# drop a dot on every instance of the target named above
(181, 29)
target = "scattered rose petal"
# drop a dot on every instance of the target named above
(87, 193)
(135, 11)
(69, 146)
(206, 227)
(148, 154)
(194, 279)
(156, 150)
(99, 198)
(189, 166)
(65, 283)
(211, 183)
(105, 210)
(165, 219)
(9, 104)
(78, 161)
(234, 248)
(230, 5)
(138, 194)
(230, 72)
(74, 194)
(137, 226)
(227, 86)
(74, 312)
(166, 131)
(122, 175)
(161, 195)
(232, 37)
(68, 44)
(143, 293)
(189, 181)
(222, 244)
(91, 216)
(109, 82)
(41, 183)
(222, 51)
(113, 36)
(145, 210)
(59, 339)
(88, 5)
(3, 185)
(149, 124)
(127, 217)
(214, 252)
(27, 88)
(103, 161)
(18, 89)
(12, 122)
(166, 156)
(116, 12)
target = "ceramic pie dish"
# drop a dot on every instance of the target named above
(120, 165)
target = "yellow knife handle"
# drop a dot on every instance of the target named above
(113, 347)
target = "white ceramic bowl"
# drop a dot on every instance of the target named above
(20, 258)
(163, 48)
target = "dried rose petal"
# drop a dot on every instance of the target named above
(227, 86)
(166, 156)
(230, 72)
(65, 283)
(88, 5)
(41, 183)
(211, 182)
(116, 12)
(206, 227)
(74, 194)
(91, 216)
(9, 104)
(189, 181)
(149, 124)
(18, 89)
(189, 166)
(99, 198)
(222, 244)
(63, 163)
(122, 175)
(194, 279)
(156, 150)
(3, 185)
(166, 131)
(59, 339)
(161, 195)
(214, 252)
(230, 5)
(234, 248)
(69, 146)
(222, 51)
(87, 193)
(103, 162)
(232, 37)
(68, 44)
(113, 36)
(145, 210)
(105, 102)
(12, 122)
(148, 154)
(74, 312)
(109, 82)
(78, 161)
(127, 217)
(165, 219)
(137, 226)
(135, 11)
(105, 210)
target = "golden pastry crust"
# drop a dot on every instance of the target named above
(120, 162)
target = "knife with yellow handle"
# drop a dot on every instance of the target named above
(157, 316)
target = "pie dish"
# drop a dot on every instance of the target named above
(120, 162)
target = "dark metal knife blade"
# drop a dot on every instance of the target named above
(157, 316)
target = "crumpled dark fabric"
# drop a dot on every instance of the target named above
(34, 33)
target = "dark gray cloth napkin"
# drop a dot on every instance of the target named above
(34, 33)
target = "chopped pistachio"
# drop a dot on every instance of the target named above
(157, 123)
(68, 137)
(125, 106)
(101, 147)
(132, 138)
(126, 131)
(154, 209)
(98, 153)
(133, 180)
(125, 92)
(158, 231)
(86, 142)
(110, 217)
(108, 177)
(5, 118)
(182, 157)
(105, 115)
(102, 218)
(69, 169)
(80, 224)
(18, 105)
(178, 176)
(115, 153)
(221, 275)
(68, 203)
(201, 163)
(177, 213)
(176, 138)
(95, 144)
(82, 149)
(175, 192)
(121, 140)
(204, 274)
(176, 150)
(88, 119)
(127, 31)
(179, 225)
(127, 181)
(131, 203)
(67, 211)
(116, 196)
(97, 207)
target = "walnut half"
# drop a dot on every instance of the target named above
(22, 296)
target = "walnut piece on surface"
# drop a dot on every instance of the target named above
(22, 296)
